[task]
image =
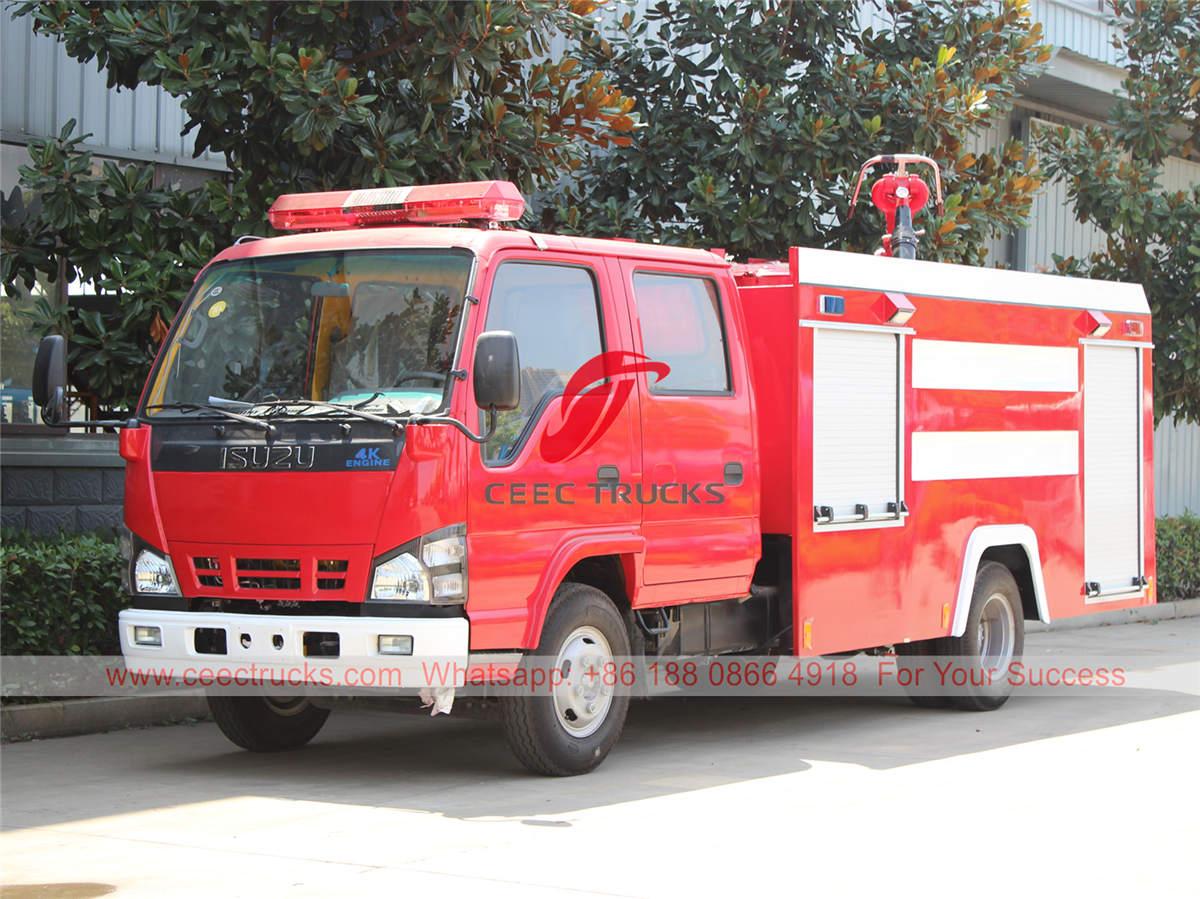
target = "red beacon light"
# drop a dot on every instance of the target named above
(431, 204)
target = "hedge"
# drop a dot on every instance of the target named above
(61, 595)
(1178, 542)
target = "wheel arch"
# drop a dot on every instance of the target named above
(608, 563)
(1016, 547)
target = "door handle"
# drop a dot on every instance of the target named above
(733, 473)
(608, 473)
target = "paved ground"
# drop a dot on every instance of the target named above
(1073, 796)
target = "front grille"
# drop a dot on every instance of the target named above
(265, 573)
(268, 564)
(268, 583)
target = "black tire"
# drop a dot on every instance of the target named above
(920, 677)
(997, 596)
(532, 725)
(266, 724)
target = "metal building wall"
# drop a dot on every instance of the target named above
(1180, 174)
(991, 140)
(44, 88)
(1077, 27)
(1176, 468)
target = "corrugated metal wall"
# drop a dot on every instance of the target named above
(44, 88)
(1079, 27)
(1000, 249)
(1053, 227)
(1180, 174)
(1176, 468)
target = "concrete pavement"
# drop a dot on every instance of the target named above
(1093, 795)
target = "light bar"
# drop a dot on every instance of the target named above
(431, 204)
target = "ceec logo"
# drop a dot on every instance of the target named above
(587, 414)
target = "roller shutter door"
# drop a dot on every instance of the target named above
(1112, 467)
(855, 421)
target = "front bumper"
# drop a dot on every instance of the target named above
(267, 650)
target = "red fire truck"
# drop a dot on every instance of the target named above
(408, 431)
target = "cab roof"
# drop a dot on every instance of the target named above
(483, 242)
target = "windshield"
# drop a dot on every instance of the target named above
(370, 328)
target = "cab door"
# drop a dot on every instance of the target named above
(541, 484)
(698, 496)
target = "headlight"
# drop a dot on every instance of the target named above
(152, 573)
(400, 578)
(432, 569)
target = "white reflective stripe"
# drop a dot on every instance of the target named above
(377, 196)
(861, 271)
(958, 455)
(963, 365)
(1111, 462)
(855, 420)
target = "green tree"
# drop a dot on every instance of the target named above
(757, 114)
(298, 97)
(1114, 174)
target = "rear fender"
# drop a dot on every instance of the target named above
(982, 539)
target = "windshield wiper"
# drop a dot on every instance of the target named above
(208, 407)
(350, 409)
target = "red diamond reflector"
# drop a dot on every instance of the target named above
(894, 308)
(430, 204)
(1093, 323)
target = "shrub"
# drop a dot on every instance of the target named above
(1178, 541)
(61, 595)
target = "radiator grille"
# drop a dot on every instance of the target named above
(261, 572)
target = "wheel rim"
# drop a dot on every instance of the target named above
(997, 632)
(286, 707)
(584, 694)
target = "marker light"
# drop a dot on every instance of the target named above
(395, 645)
(147, 635)
(446, 551)
(447, 586)
(431, 204)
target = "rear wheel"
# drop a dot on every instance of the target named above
(994, 638)
(919, 676)
(267, 723)
(976, 664)
(568, 728)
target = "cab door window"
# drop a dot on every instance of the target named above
(680, 319)
(553, 310)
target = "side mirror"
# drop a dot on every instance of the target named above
(497, 371)
(50, 378)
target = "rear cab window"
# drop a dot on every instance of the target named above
(681, 323)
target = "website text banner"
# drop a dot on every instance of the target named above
(736, 676)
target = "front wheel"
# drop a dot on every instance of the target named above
(570, 726)
(267, 723)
